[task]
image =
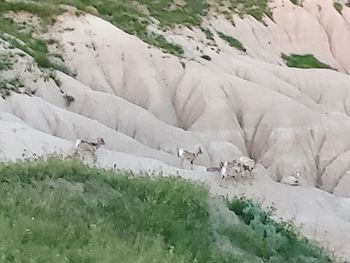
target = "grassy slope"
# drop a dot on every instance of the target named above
(25, 39)
(127, 15)
(61, 210)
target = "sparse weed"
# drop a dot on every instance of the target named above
(208, 34)
(5, 62)
(68, 99)
(338, 7)
(8, 85)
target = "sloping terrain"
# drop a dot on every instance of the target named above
(62, 211)
(228, 90)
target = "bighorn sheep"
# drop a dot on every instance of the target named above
(247, 163)
(82, 147)
(189, 156)
(230, 169)
(293, 180)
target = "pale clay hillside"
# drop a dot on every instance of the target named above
(146, 103)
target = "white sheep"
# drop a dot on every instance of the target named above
(189, 156)
(82, 147)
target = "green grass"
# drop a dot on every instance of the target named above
(208, 34)
(62, 211)
(256, 8)
(123, 14)
(4, 88)
(8, 85)
(161, 42)
(233, 42)
(23, 38)
(34, 46)
(338, 7)
(5, 62)
(303, 61)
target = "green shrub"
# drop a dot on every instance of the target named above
(208, 34)
(338, 7)
(303, 61)
(280, 240)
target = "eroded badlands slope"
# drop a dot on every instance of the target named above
(146, 104)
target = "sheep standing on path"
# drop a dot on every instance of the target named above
(230, 169)
(189, 156)
(83, 147)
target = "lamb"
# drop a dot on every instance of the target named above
(83, 147)
(189, 156)
(230, 169)
(293, 180)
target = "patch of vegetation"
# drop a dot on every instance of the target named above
(68, 99)
(208, 34)
(303, 61)
(24, 40)
(161, 42)
(279, 241)
(6, 86)
(133, 16)
(348, 3)
(52, 75)
(233, 42)
(35, 47)
(169, 14)
(256, 8)
(124, 14)
(296, 2)
(42, 10)
(60, 210)
(5, 62)
(338, 7)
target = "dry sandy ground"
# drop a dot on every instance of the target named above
(146, 104)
